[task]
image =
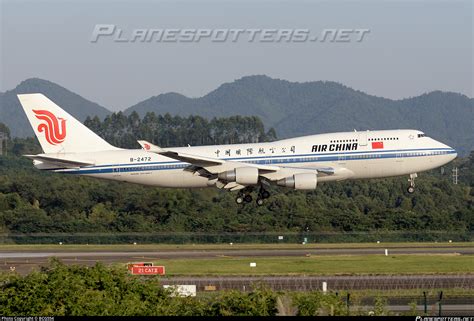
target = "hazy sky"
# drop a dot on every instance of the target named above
(412, 47)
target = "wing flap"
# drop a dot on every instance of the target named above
(324, 170)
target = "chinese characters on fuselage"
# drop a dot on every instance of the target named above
(255, 151)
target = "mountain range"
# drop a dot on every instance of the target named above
(292, 108)
(12, 114)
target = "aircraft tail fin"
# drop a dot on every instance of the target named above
(58, 131)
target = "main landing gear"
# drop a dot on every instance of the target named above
(411, 188)
(244, 196)
(262, 194)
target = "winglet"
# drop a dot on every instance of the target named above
(149, 147)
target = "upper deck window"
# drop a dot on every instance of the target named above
(421, 135)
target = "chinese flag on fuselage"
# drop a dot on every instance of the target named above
(377, 145)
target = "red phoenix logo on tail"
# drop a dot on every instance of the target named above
(54, 132)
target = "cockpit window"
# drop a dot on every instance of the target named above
(421, 135)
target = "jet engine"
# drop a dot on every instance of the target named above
(241, 175)
(306, 181)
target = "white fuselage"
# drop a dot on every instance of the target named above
(354, 155)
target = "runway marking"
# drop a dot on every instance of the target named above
(145, 258)
(79, 260)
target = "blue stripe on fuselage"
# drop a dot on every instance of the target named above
(261, 160)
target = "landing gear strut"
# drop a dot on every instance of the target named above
(411, 188)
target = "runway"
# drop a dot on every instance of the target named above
(25, 261)
(170, 254)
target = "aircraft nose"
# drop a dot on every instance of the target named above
(452, 153)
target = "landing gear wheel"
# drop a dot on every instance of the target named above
(239, 199)
(259, 201)
(411, 189)
(263, 193)
(247, 198)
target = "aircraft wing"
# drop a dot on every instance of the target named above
(210, 167)
(213, 165)
(68, 163)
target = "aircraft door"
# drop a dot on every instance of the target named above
(362, 139)
(399, 154)
(399, 160)
(362, 166)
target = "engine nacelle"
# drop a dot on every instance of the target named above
(306, 181)
(241, 175)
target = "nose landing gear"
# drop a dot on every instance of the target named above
(411, 188)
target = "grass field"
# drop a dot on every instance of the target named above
(322, 265)
(173, 247)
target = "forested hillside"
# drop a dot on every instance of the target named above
(123, 131)
(291, 108)
(35, 201)
(296, 109)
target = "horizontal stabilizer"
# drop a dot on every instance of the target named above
(68, 163)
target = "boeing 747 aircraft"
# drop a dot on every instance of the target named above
(300, 163)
